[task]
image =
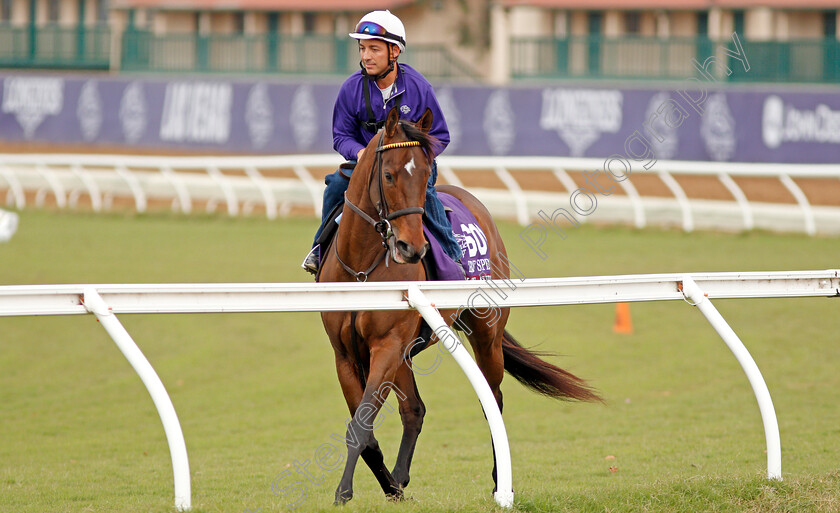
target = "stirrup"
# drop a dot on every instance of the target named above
(313, 260)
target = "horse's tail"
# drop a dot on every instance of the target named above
(542, 377)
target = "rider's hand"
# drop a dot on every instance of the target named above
(359, 155)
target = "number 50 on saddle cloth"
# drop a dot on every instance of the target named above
(473, 242)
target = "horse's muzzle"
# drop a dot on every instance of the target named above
(405, 253)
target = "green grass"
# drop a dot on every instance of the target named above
(257, 392)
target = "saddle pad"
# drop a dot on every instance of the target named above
(473, 242)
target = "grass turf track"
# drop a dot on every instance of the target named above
(257, 392)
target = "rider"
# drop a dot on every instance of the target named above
(363, 103)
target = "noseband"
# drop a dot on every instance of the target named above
(383, 225)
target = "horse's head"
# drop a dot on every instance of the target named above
(402, 165)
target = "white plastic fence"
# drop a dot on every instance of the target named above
(105, 301)
(243, 183)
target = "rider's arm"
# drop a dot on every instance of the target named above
(439, 128)
(345, 125)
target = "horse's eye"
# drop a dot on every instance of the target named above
(389, 177)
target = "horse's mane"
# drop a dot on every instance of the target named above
(429, 143)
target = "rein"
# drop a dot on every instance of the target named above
(383, 225)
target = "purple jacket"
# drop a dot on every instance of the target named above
(349, 112)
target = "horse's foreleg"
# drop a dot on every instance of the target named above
(360, 439)
(412, 411)
(351, 386)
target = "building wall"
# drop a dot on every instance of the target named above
(648, 23)
(256, 23)
(68, 13)
(20, 12)
(579, 23)
(40, 12)
(683, 23)
(291, 23)
(174, 22)
(223, 22)
(447, 23)
(460, 27)
(759, 24)
(613, 23)
(530, 21)
(805, 24)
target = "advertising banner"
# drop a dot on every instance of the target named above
(260, 116)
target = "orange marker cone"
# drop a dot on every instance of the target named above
(623, 322)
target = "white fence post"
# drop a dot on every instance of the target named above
(762, 394)
(15, 189)
(682, 199)
(171, 426)
(740, 197)
(802, 200)
(501, 447)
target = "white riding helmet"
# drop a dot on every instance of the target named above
(381, 25)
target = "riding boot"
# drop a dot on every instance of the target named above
(313, 260)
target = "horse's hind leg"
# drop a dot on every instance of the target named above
(360, 439)
(486, 341)
(412, 411)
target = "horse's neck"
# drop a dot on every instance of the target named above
(356, 240)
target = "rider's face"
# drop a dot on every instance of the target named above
(375, 54)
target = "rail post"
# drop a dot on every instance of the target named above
(171, 426)
(765, 404)
(501, 447)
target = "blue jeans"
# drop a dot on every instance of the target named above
(435, 217)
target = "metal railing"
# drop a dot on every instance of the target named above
(55, 46)
(269, 53)
(645, 58)
(279, 185)
(106, 301)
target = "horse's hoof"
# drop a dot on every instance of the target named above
(341, 498)
(395, 495)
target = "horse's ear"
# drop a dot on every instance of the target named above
(392, 121)
(425, 123)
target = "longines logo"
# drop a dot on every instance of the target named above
(580, 116)
(31, 99)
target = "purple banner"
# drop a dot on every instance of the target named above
(215, 115)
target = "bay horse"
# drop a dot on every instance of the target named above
(381, 220)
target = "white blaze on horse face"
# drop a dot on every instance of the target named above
(409, 166)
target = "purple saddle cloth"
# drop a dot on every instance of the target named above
(473, 242)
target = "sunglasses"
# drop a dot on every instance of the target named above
(375, 29)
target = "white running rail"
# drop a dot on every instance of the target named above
(107, 300)
(281, 183)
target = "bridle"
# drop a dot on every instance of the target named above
(383, 225)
